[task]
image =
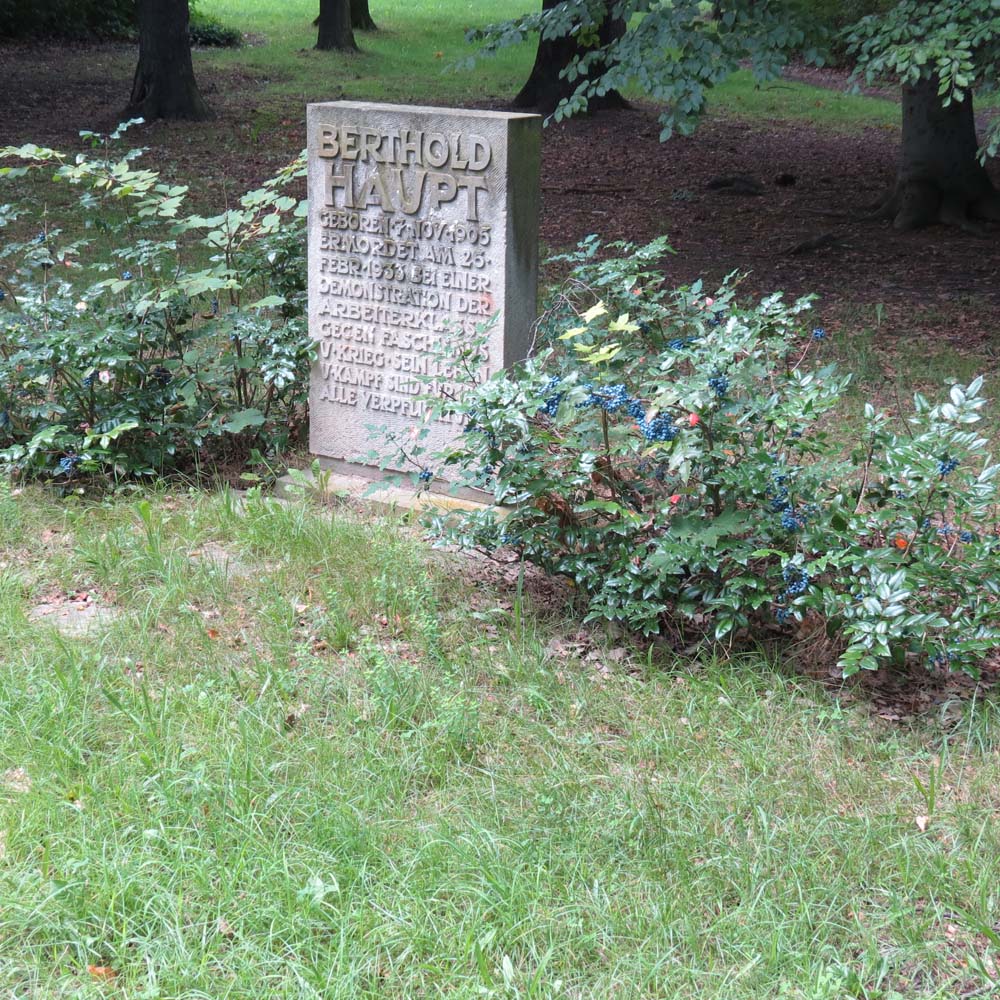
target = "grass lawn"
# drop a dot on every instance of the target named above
(306, 758)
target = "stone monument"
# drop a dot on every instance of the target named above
(422, 227)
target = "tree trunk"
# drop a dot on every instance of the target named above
(546, 87)
(335, 30)
(164, 84)
(361, 16)
(940, 178)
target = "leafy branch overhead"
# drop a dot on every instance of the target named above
(955, 45)
(672, 53)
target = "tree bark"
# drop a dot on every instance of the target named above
(361, 16)
(335, 30)
(164, 85)
(940, 179)
(546, 87)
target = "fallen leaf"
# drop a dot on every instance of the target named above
(922, 822)
(213, 633)
(102, 971)
(224, 927)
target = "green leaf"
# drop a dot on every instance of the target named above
(268, 302)
(242, 420)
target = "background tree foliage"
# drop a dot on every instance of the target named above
(67, 18)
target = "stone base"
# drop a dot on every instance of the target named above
(379, 495)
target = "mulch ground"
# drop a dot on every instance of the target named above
(794, 219)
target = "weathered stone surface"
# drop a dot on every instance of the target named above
(422, 227)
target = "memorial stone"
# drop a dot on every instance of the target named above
(422, 228)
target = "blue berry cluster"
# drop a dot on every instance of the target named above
(660, 428)
(68, 463)
(819, 333)
(947, 466)
(946, 530)
(611, 398)
(941, 659)
(779, 493)
(472, 427)
(797, 579)
(3, 295)
(88, 380)
(162, 375)
(551, 405)
(126, 275)
(719, 384)
(790, 522)
(425, 475)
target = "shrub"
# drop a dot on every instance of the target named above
(167, 341)
(67, 18)
(210, 31)
(670, 452)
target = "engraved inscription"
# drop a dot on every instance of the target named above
(403, 263)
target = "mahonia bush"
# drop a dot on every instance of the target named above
(148, 341)
(672, 454)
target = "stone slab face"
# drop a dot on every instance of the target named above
(423, 224)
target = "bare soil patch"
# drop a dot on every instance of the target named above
(73, 614)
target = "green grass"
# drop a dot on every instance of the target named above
(338, 770)
(788, 100)
(408, 60)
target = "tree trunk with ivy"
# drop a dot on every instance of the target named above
(940, 178)
(335, 31)
(164, 85)
(546, 86)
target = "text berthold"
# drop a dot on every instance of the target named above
(408, 170)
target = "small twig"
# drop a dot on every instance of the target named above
(864, 475)
(814, 243)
